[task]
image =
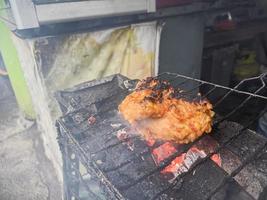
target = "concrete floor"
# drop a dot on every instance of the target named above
(25, 172)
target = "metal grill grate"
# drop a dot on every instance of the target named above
(79, 106)
(249, 96)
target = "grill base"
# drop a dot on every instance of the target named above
(98, 165)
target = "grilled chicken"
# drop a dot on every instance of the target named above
(159, 112)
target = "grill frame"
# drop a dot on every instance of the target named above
(69, 144)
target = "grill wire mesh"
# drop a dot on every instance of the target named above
(249, 96)
(191, 88)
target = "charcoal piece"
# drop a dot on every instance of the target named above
(114, 159)
(147, 188)
(231, 191)
(133, 172)
(253, 177)
(246, 144)
(225, 131)
(199, 183)
(230, 161)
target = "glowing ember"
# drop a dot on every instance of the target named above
(217, 159)
(182, 163)
(150, 142)
(92, 120)
(162, 152)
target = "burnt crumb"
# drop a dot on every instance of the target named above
(158, 88)
(149, 98)
(162, 85)
(154, 95)
(171, 95)
(154, 84)
(150, 79)
(177, 93)
(91, 120)
(146, 83)
(174, 94)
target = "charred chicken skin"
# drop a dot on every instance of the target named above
(157, 112)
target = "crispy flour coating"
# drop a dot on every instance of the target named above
(156, 112)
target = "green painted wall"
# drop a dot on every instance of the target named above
(12, 63)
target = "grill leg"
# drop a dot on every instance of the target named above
(263, 125)
(71, 178)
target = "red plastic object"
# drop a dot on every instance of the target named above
(170, 3)
(224, 25)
